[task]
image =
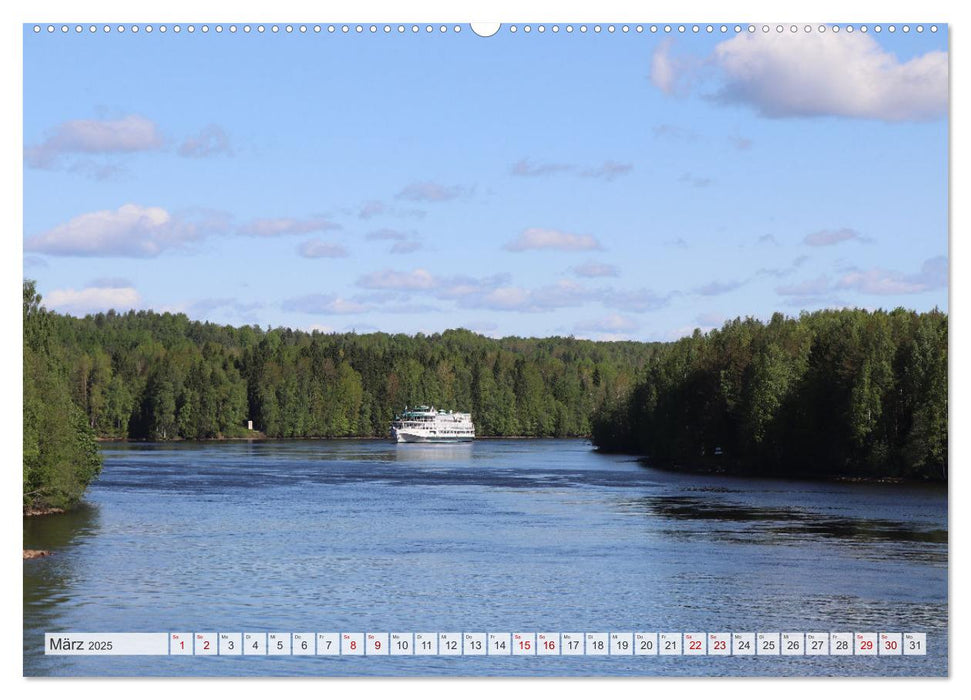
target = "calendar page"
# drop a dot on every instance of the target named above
(518, 349)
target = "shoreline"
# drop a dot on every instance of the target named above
(372, 438)
(34, 512)
(738, 471)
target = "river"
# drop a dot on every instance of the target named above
(496, 535)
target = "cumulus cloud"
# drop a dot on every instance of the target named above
(822, 73)
(431, 192)
(549, 239)
(594, 269)
(211, 141)
(562, 294)
(417, 279)
(91, 136)
(131, 230)
(609, 170)
(463, 286)
(933, 275)
(92, 299)
(668, 73)
(317, 248)
(832, 237)
(525, 168)
(285, 226)
(324, 304)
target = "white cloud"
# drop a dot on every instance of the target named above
(823, 73)
(125, 135)
(933, 275)
(285, 226)
(832, 237)
(320, 328)
(594, 269)
(130, 231)
(211, 141)
(324, 304)
(549, 239)
(417, 279)
(877, 281)
(666, 71)
(317, 248)
(562, 294)
(92, 299)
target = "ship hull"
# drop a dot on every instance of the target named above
(405, 436)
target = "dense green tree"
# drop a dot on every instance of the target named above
(60, 454)
(832, 392)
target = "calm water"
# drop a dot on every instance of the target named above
(509, 536)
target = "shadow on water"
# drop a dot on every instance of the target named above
(48, 581)
(780, 523)
(60, 531)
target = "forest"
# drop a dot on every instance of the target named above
(827, 393)
(144, 375)
(845, 392)
(61, 456)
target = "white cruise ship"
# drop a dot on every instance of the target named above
(425, 424)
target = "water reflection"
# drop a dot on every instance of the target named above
(433, 453)
(778, 523)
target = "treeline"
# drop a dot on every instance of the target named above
(144, 375)
(60, 453)
(832, 392)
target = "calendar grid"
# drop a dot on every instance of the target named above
(374, 644)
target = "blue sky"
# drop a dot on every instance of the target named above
(602, 185)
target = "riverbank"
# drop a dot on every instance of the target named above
(33, 511)
(36, 553)
(263, 437)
